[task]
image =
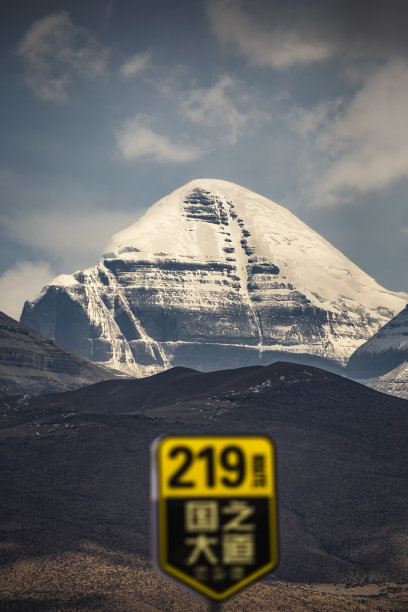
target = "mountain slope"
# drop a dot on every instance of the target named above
(394, 382)
(213, 275)
(31, 363)
(341, 450)
(384, 351)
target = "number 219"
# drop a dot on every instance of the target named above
(231, 460)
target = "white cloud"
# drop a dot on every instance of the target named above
(361, 145)
(135, 65)
(74, 239)
(262, 38)
(56, 53)
(214, 108)
(21, 282)
(369, 137)
(137, 140)
(308, 121)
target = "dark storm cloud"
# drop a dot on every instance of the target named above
(364, 26)
(281, 33)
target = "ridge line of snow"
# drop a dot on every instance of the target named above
(109, 326)
(242, 272)
(141, 330)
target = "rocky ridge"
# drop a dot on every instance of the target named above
(394, 382)
(384, 351)
(33, 364)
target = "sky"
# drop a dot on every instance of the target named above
(108, 106)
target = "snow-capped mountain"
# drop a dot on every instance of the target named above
(212, 276)
(386, 350)
(394, 382)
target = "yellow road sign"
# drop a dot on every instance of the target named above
(215, 510)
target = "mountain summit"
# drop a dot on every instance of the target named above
(214, 275)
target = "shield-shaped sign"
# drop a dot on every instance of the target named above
(215, 517)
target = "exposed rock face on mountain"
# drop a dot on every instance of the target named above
(32, 364)
(386, 350)
(214, 276)
(394, 382)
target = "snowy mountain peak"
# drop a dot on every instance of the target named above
(214, 275)
(190, 221)
(219, 221)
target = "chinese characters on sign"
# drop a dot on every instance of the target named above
(236, 548)
(215, 510)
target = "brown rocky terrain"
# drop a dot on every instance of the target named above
(31, 363)
(94, 578)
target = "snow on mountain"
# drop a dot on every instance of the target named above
(394, 382)
(386, 350)
(214, 275)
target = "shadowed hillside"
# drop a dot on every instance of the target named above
(75, 467)
(31, 363)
